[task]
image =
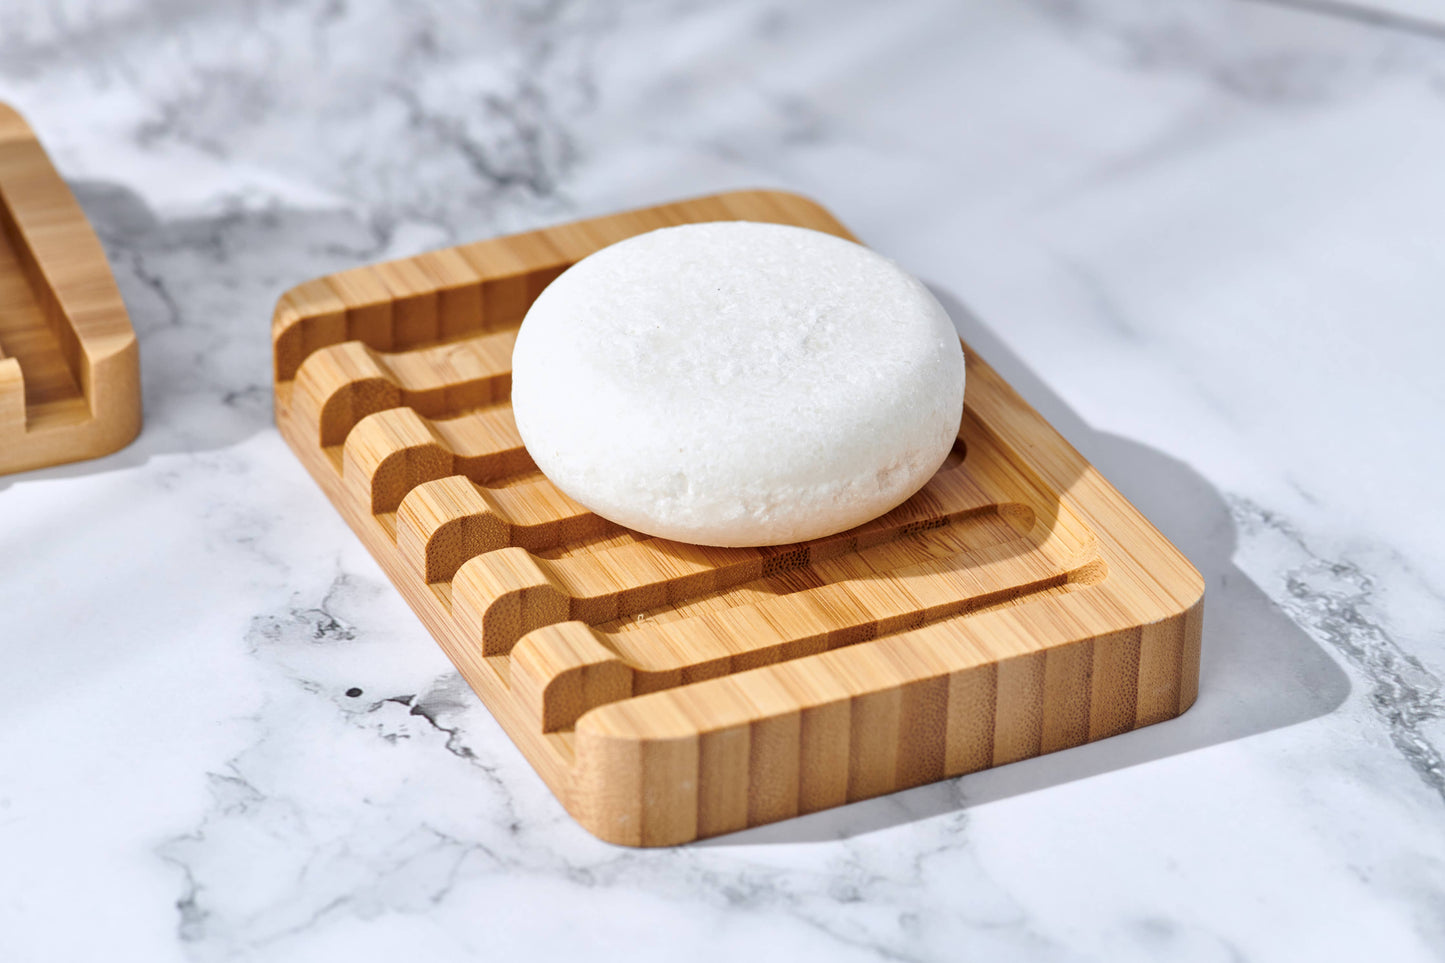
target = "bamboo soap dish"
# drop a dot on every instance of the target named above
(69, 368)
(1017, 605)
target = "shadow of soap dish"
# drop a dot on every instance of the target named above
(1015, 606)
(69, 363)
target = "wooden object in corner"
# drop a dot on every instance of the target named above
(1017, 605)
(69, 368)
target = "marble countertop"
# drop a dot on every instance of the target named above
(1206, 240)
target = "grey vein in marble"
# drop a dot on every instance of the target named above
(1332, 599)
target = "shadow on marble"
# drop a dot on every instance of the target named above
(1259, 671)
(200, 291)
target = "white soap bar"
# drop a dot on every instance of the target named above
(736, 383)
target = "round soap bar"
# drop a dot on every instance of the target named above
(736, 383)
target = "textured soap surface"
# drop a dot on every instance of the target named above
(737, 383)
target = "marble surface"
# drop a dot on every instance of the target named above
(1205, 239)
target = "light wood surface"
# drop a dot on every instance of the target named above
(69, 368)
(1015, 606)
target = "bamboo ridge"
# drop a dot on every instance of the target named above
(69, 368)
